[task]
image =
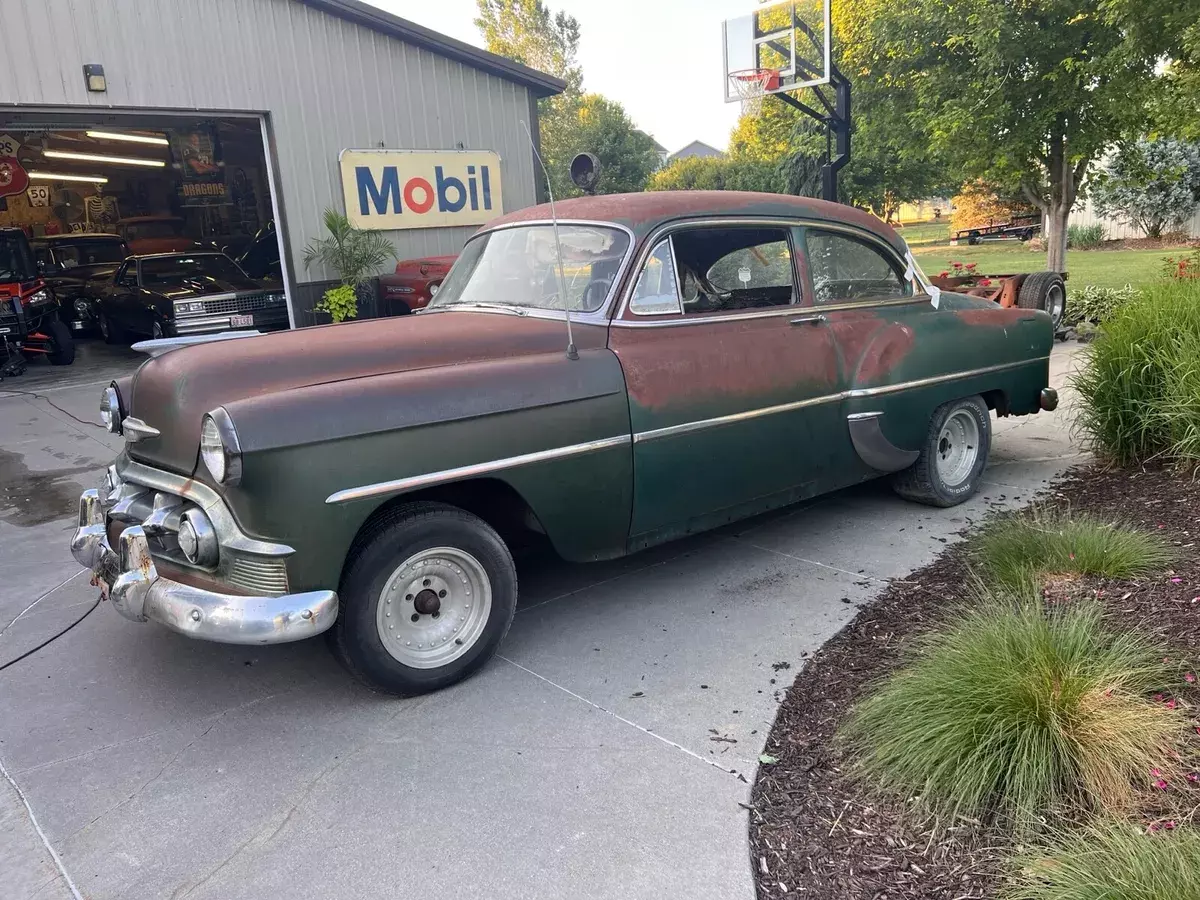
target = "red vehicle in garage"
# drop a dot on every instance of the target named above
(29, 322)
(413, 284)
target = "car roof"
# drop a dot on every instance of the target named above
(78, 236)
(176, 254)
(642, 213)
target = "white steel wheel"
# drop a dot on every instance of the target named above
(434, 607)
(958, 448)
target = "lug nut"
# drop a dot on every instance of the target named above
(415, 617)
(195, 615)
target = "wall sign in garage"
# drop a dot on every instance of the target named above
(399, 189)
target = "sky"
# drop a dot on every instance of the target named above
(660, 59)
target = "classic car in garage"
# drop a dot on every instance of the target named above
(168, 294)
(725, 354)
(68, 262)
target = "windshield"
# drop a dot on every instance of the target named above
(176, 269)
(89, 253)
(517, 267)
(16, 260)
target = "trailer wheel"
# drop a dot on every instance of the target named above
(973, 238)
(1047, 291)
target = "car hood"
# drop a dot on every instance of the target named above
(172, 392)
(77, 275)
(205, 287)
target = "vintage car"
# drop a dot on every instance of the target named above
(68, 262)
(725, 354)
(413, 284)
(30, 325)
(169, 294)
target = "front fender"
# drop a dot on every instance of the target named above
(319, 460)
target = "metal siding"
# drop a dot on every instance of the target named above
(326, 83)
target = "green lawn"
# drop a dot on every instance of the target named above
(926, 233)
(1106, 268)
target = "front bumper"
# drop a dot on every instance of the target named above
(272, 319)
(127, 575)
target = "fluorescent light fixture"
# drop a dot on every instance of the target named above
(93, 157)
(58, 176)
(132, 138)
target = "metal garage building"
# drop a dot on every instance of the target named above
(314, 77)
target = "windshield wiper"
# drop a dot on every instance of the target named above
(502, 307)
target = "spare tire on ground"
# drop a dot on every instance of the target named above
(1047, 291)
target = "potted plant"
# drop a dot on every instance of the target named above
(354, 254)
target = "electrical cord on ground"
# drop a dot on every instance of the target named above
(8, 390)
(28, 653)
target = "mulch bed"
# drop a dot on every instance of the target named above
(816, 831)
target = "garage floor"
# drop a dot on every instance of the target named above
(579, 764)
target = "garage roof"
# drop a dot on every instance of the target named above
(376, 19)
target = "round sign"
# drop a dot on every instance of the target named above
(13, 178)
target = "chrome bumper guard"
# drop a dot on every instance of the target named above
(131, 581)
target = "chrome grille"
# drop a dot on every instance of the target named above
(259, 575)
(243, 303)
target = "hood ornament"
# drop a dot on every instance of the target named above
(163, 345)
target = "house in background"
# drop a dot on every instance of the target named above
(663, 153)
(695, 148)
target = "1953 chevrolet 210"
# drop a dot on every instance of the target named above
(731, 353)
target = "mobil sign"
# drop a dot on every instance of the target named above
(394, 189)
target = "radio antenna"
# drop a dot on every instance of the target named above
(572, 353)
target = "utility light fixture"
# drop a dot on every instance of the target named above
(133, 138)
(95, 157)
(93, 77)
(59, 176)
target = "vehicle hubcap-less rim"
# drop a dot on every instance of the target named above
(434, 607)
(958, 448)
(1054, 304)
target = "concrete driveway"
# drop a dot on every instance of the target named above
(606, 753)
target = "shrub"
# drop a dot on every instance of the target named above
(1183, 268)
(1139, 386)
(1097, 304)
(1085, 237)
(1014, 549)
(980, 204)
(1153, 185)
(1012, 713)
(1113, 861)
(354, 254)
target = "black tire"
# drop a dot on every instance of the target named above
(973, 238)
(158, 331)
(922, 482)
(109, 330)
(396, 537)
(62, 345)
(1045, 291)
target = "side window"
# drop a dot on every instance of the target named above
(656, 292)
(847, 270)
(736, 268)
(127, 275)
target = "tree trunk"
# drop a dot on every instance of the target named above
(1057, 215)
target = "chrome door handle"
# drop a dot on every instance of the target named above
(808, 320)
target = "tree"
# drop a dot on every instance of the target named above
(572, 122)
(598, 125)
(1153, 185)
(713, 173)
(1024, 95)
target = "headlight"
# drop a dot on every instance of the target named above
(219, 447)
(38, 297)
(189, 306)
(81, 306)
(110, 409)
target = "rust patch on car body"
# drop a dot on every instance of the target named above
(643, 213)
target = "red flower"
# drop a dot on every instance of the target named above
(1161, 784)
(1193, 777)
(1171, 703)
(945, 274)
(1189, 678)
(985, 282)
(971, 266)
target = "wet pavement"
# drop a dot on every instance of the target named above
(581, 763)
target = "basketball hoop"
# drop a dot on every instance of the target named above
(751, 85)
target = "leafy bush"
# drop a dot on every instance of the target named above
(980, 204)
(1014, 713)
(354, 254)
(1085, 237)
(1139, 386)
(1013, 549)
(1153, 185)
(1183, 268)
(1112, 861)
(713, 173)
(340, 302)
(1097, 304)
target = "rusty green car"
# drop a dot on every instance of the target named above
(634, 369)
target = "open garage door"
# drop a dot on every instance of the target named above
(148, 224)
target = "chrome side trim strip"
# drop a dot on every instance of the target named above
(791, 309)
(938, 379)
(686, 427)
(434, 478)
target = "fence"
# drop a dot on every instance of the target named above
(1117, 230)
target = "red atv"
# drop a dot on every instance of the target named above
(30, 325)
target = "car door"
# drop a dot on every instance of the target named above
(124, 304)
(732, 378)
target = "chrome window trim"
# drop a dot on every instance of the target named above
(599, 316)
(669, 240)
(752, 221)
(432, 478)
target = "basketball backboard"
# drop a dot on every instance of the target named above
(780, 47)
